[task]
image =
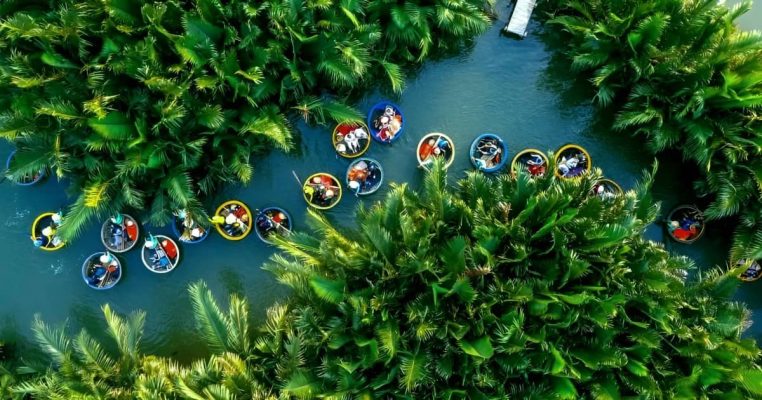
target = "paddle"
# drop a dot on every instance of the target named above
(301, 185)
(105, 277)
(122, 243)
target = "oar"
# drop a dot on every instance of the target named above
(122, 243)
(297, 178)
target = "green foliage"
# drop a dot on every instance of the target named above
(684, 76)
(119, 95)
(470, 304)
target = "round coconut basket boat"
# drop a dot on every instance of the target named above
(120, 236)
(572, 161)
(685, 224)
(44, 230)
(233, 220)
(101, 274)
(435, 145)
(351, 140)
(606, 189)
(160, 254)
(365, 176)
(533, 161)
(187, 229)
(272, 221)
(26, 180)
(752, 272)
(488, 153)
(322, 191)
(386, 122)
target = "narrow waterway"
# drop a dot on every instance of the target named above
(509, 87)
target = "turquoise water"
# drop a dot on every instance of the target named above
(513, 88)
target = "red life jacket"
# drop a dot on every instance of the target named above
(132, 232)
(240, 212)
(684, 234)
(169, 248)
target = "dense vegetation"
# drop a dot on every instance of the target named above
(152, 105)
(683, 75)
(500, 288)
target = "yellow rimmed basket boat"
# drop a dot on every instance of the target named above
(351, 139)
(533, 161)
(606, 189)
(572, 161)
(44, 230)
(322, 191)
(233, 220)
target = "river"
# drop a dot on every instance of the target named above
(511, 87)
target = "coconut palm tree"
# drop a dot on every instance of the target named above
(683, 75)
(519, 287)
(81, 367)
(154, 105)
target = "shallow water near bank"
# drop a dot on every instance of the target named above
(513, 88)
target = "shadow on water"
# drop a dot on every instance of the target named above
(516, 88)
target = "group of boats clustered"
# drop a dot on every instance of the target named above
(385, 124)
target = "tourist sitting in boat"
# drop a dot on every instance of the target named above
(536, 165)
(572, 166)
(603, 192)
(191, 230)
(233, 219)
(268, 225)
(322, 190)
(101, 271)
(49, 237)
(388, 124)
(434, 148)
(358, 176)
(164, 252)
(351, 142)
(686, 229)
(123, 232)
(490, 154)
(752, 273)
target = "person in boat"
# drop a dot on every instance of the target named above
(107, 266)
(753, 272)
(604, 192)
(321, 190)
(680, 233)
(98, 275)
(57, 218)
(158, 259)
(536, 165)
(41, 241)
(265, 224)
(191, 230)
(388, 124)
(169, 248)
(358, 175)
(566, 165)
(489, 153)
(117, 236)
(270, 223)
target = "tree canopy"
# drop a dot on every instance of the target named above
(510, 287)
(153, 105)
(682, 74)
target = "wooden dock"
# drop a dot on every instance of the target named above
(520, 16)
